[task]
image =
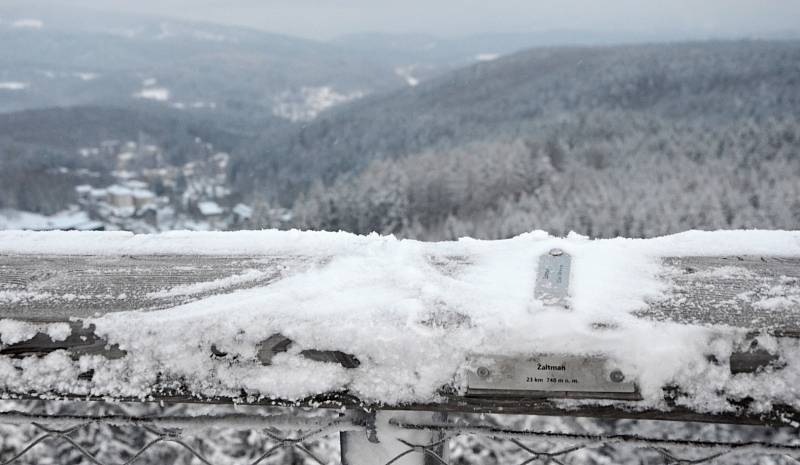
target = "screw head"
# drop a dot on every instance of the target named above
(483, 372)
(556, 252)
(617, 376)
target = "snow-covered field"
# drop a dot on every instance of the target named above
(487, 56)
(14, 85)
(28, 23)
(67, 219)
(159, 94)
(407, 73)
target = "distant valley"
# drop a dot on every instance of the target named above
(410, 135)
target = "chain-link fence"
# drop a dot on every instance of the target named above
(64, 433)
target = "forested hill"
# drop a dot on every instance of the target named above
(70, 128)
(534, 93)
(634, 140)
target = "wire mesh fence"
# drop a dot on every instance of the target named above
(117, 434)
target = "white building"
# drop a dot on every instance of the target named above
(209, 209)
(211, 212)
(242, 214)
(98, 195)
(120, 196)
(84, 192)
(143, 198)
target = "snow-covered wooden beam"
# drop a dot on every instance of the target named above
(700, 326)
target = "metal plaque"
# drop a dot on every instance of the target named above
(552, 278)
(549, 376)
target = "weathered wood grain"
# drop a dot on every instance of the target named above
(732, 291)
(56, 288)
(704, 290)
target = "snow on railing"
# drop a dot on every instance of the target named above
(382, 333)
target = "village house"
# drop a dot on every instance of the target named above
(143, 198)
(211, 212)
(120, 196)
(242, 214)
(84, 192)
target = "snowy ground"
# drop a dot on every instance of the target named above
(67, 219)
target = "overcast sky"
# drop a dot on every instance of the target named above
(323, 19)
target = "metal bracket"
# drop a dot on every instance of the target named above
(552, 278)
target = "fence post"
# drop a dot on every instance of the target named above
(393, 445)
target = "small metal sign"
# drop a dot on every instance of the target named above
(549, 376)
(552, 278)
